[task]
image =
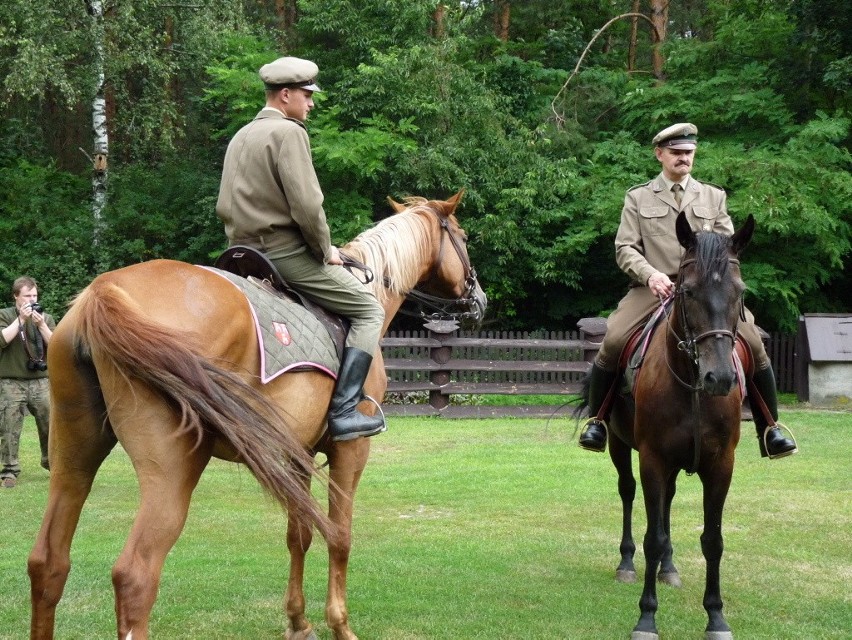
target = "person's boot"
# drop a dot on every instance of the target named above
(345, 422)
(770, 437)
(593, 437)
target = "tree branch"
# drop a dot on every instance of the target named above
(559, 117)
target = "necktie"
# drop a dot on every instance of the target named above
(677, 190)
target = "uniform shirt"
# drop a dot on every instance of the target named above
(269, 197)
(13, 357)
(646, 240)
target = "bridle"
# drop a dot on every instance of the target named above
(689, 345)
(464, 308)
(434, 308)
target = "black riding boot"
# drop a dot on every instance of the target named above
(771, 438)
(345, 422)
(593, 437)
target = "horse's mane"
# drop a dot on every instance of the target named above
(712, 254)
(396, 249)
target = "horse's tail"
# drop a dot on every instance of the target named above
(111, 326)
(583, 400)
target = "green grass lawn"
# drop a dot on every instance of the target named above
(469, 529)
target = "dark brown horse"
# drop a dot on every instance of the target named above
(159, 357)
(684, 415)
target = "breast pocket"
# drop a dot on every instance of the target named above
(654, 220)
(705, 218)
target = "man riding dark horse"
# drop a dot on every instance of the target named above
(647, 250)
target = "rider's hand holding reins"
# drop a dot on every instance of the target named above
(660, 284)
(335, 256)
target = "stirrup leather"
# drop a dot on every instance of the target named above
(783, 427)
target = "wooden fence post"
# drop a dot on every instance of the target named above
(591, 330)
(439, 329)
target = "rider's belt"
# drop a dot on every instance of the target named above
(266, 243)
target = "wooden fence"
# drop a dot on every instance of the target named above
(508, 363)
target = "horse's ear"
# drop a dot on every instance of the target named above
(396, 206)
(449, 205)
(743, 236)
(685, 234)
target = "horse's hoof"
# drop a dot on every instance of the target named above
(627, 577)
(671, 578)
(644, 635)
(305, 634)
(718, 635)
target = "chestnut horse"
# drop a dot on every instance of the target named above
(684, 414)
(159, 357)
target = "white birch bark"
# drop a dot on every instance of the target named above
(99, 122)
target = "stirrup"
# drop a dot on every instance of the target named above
(354, 435)
(784, 454)
(382, 413)
(594, 421)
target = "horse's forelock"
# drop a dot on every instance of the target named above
(395, 248)
(711, 254)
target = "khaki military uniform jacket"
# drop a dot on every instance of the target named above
(269, 197)
(646, 240)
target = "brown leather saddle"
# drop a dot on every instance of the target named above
(252, 264)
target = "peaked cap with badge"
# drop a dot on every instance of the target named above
(290, 72)
(682, 135)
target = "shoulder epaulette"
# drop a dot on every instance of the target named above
(636, 186)
(710, 184)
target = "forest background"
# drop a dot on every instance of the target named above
(115, 118)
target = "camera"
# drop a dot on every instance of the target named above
(36, 365)
(36, 307)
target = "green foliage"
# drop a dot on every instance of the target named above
(234, 93)
(47, 232)
(162, 212)
(801, 191)
(405, 112)
(341, 34)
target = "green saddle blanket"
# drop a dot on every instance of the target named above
(289, 336)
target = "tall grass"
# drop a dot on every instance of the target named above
(468, 529)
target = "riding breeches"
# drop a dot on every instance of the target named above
(637, 306)
(336, 289)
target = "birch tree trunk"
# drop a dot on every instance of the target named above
(99, 122)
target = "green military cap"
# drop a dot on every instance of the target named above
(290, 72)
(682, 135)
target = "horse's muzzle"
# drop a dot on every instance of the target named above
(718, 383)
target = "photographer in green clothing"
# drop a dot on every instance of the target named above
(25, 331)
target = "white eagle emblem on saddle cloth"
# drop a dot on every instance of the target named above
(289, 336)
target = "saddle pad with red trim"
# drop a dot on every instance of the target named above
(289, 337)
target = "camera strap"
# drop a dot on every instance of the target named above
(37, 340)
